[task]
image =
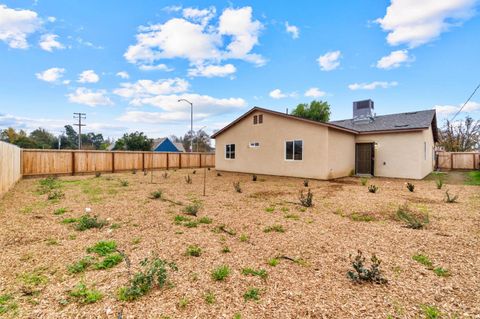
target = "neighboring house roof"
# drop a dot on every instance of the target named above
(289, 116)
(401, 122)
(159, 141)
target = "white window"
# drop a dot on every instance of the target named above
(230, 151)
(254, 144)
(294, 150)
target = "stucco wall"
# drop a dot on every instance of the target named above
(428, 161)
(401, 154)
(341, 153)
(269, 158)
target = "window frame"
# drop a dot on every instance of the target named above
(230, 152)
(293, 150)
(255, 119)
(260, 118)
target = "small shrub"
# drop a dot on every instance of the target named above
(205, 220)
(188, 179)
(408, 217)
(305, 183)
(194, 251)
(156, 194)
(270, 209)
(179, 219)
(55, 195)
(69, 220)
(124, 183)
(254, 177)
(60, 211)
(236, 186)
(361, 217)
(439, 183)
(7, 304)
(191, 224)
(244, 238)
(362, 274)
(210, 298)
(274, 228)
(48, 184)
(423, 259)
(306, 200)
(363, 181)
(87, 222)
(183, 303)
(410, 187)
(103, 247)
(431, 312)
(192, 209)
(165, 175)
(98, 174)
(273, 262)
(225, 250)
(154, 273)
(220, 273)
(450, 199)
(109, 261)
(372, 188)
(262, 273)
(81, 265)
(441, 272)
(252, 294)
(84, 295)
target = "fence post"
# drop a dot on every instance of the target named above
(73, 163)
(113, 162)
(167, 161)
(200, 160)
(179, 160)
(143, 161)
(451, 160)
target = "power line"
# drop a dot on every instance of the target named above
(79, 117)
(468, 100)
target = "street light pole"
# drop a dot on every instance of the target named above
(191, 122)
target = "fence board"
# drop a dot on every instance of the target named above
(458, 160)
(52, 162)
(10, 166)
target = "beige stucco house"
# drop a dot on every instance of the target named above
(263, 141)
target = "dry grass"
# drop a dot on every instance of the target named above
(311, 284)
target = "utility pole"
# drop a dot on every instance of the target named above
(79, 117)
(191, 122)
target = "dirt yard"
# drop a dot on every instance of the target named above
(299, 257)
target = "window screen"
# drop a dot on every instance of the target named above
(294, 150)
(230, 151)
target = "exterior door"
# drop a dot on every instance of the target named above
(364, 156)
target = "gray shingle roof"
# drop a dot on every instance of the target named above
(391, 122)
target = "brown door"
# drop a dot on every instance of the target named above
(364, 158)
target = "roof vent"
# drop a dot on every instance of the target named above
(363, 111)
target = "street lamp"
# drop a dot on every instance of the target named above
(191, 122)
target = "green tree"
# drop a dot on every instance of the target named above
(43, 139)
(19, 138)
(137, 141)
(461, 136)
(316, 111)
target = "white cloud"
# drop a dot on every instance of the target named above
(51, 19)
(88, 76)
(51, 75)
(196, 39)
(329, 61)
(158, 67)
(148, 88)
(89, 97)
(17, 25)
(154, 117)
(212, 70)
(278, 94)
(48, 42)
(471, 106)
(314, 92)
(372, 85)
(294, 31)
(394, 60)
(123, 75)
(415, 22)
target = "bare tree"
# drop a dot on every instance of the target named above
(461, 136)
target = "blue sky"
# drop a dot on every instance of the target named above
(126, 63)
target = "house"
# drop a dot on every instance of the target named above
(166, 145)
(263, 141)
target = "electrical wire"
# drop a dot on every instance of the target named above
(468, 100)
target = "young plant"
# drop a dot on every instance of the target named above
(361, 273)
(109, 261)
(225, 250)
(194, 172)
(423, 259)
(218, 174)
(244, 238)
(254, 177)
(274, 228)
(431, 312)
(7, 304)
(192, 209)
(188, 179)
(134, 172)
(84, 295)
(98, 174)
(194, 251)
(372, 188)
(154, 274)
(87, 222)
(124, 183)
(363, 181)
(210, 297)
(441, 272)
(103, 247)
(220, 273)
(236, 186)
(410, 219)
(156, 194)
(55, 195)
(410, 187)
(205, 220)
(252, 294)
(165, 175)
(81, 265)
(305, 183)
(439, 183)
(306, 200)
(262, 273)
(60, 211)
(449, 198)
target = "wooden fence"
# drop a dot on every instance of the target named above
(458, 160)
(56, 162)
(10, 166)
